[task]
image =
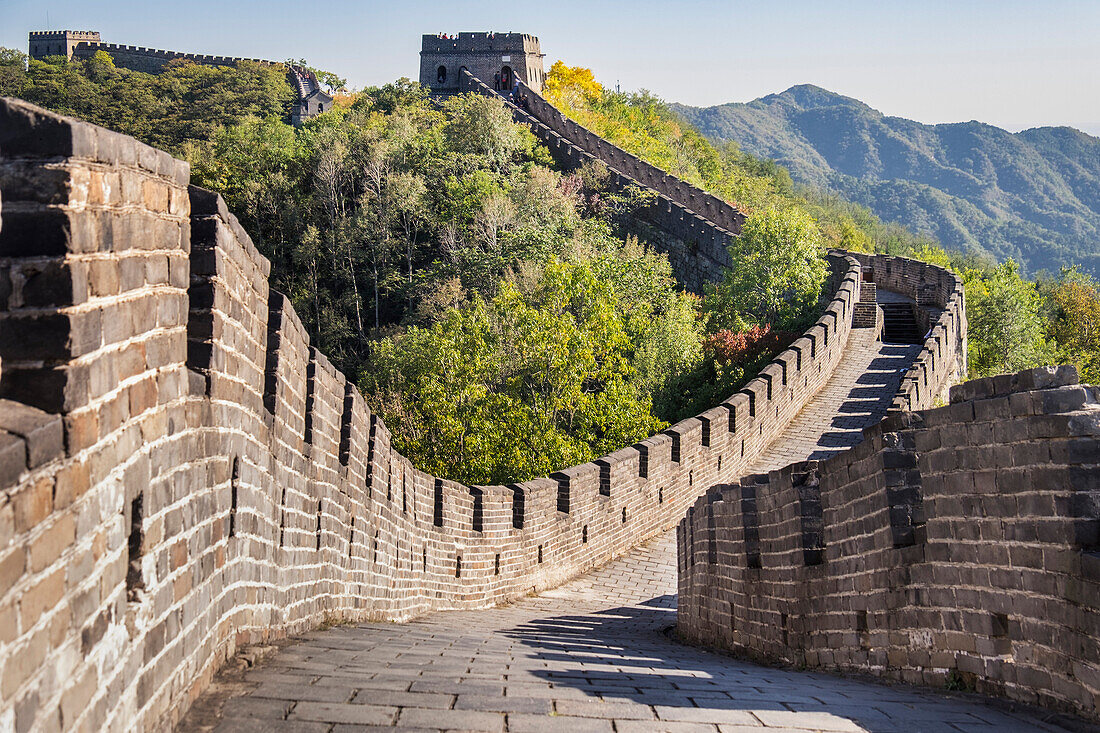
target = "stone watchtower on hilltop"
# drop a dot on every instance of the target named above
(498, 59)
(59, 43)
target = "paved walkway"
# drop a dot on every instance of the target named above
(593, 655)
(855, 397)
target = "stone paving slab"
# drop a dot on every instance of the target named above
(594, 654)
(654, 683)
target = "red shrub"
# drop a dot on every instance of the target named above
(727, 347)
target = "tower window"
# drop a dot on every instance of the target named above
(441, 75)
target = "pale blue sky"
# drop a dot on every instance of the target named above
(1009, 63)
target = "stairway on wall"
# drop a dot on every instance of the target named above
(899, 324)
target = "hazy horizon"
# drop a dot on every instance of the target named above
(1011, 64)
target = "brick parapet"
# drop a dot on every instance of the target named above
(141, 58)
(697, 247)
(941, 315)
(957, 543)
(187, 474)
(689, 197)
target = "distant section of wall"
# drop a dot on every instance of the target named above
(956, 545)
(696, 246)
(83, 45)
(940, 311)
(692, 198)
(181, 472)
(152, 60)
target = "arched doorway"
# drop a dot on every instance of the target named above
(506, 79)
(441, 75)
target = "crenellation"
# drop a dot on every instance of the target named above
(924, 529)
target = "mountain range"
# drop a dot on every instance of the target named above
(1033, 195)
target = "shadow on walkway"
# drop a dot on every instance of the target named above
(867, 402)
(623, 655)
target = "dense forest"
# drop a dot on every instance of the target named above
(491, 306)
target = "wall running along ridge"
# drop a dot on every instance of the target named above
(153, 60)
(958, 544)
(698, 248)
(696, 244)
(182, 473)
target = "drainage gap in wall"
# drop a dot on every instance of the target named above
(404, 492)
(351, 537)
(424, 559)
(496, 565)
(134, 580)
(719, 463)
(540, 554)
(374, 554)
(691, 478)
(661, 495)
(234, 478)
(584, 535)
(282, 517)
(318, 524)
(458, 566)
(1002, 639)
(624, 515)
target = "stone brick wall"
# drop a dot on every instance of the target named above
(182, 473)
(955, 544)
(151, 60)
(482, 55)
(941, 314)
(696, 246)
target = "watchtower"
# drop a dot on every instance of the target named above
(58, 43)
(498, 59)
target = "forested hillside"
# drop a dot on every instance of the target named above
(487, 303)
(1033, 196)
(492, 307)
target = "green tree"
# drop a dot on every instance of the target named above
(13, 72)
(1075, 322)
(1006, 332)
(534, 380)
(777, 275)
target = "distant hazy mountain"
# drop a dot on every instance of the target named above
(1032, 195)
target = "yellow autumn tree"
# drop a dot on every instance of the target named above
(572, 87)
(1076, 323)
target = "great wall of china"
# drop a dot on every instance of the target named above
(183, 475)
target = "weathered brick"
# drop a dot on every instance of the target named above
(49, 545)
(41, 597)
(33, 503)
